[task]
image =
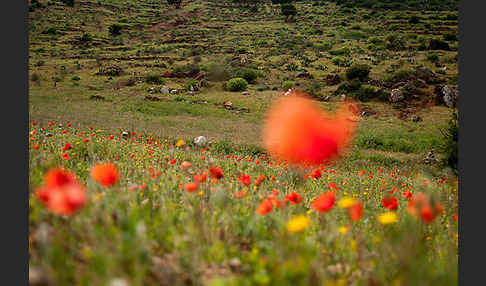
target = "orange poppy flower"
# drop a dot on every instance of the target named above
(333, 186)
(186, 165)
(297, 131)
(390, 202)
(324, 202)
(105, 174)
(239, 195)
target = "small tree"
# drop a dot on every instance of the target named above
(115, 29)
(288, 10)
(176, 3)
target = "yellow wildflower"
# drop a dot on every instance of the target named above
(298, 223)
(346, 202)
(388, 218)
(343, 229)
(180, 143)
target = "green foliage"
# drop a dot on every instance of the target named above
(395, 42)
(76, 78)
(192, 82)
(250, 75)
(176, 3)
(450, 37)
(69, 3)
(189, 70)
(154, 79)
(115, 29)
(348, 87)
(414, 19)
(340, 61)
(287, 84)
(34, 77)
(237, 84)
(436, 44)
(217, 71)
(288, 10)
(449, 146)
(359, 71)
(399, 75)
(433, 58)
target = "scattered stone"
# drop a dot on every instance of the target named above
(327, 98)
(200, 76)
(288, 92)
(430, 158)
(125, 134)
(396, 95)
(246, 92)
(152, 90)
(111, 71)
(174, 91)
(118, 282)
(200, 141)
(165, 90)
(343, 97)
(228, 105)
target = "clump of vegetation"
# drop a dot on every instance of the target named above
(34, 77)
(450, 37)
(250, 75)
(449, 147)
(399, 76)
(75, 78)
(359, 71)
(237, 84)
(288, 10)
(348, 87)
(414, 19)
(436, 44)
(192, 82)
(433, 58)
(217, 71)
(115, 29)
(288, 84)
(189, 70)
(154, 79)
(395, 42)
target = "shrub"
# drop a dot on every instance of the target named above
(395, 42)
(433, 58)
(449, 147)
(364, 93)
(400, 75)
(359, 71)
(217, 71)
(292, 66)
(414, 19)
(237, 84)
(192, 82)
(35, 77)
(188, 69)
(75, 78)
(69, 3)
(154, 79)
(436, 44)
(450, 37)
(250, 75)
(115, 29)
(340, 52)
(287, 84)
(348, 87)
(176, 3)
(340, 61)
(288, 10)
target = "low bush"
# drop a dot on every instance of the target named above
(287, 84)
(154, 79)
(359, 71)
(237, 84)
(436, 44)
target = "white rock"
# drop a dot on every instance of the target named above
(200, 141)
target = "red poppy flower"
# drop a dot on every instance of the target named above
(332, 186)
(36, 147)
(65, 156)
(186, 165)
(191, 187)
(67, 147)
(297, 131)
(173, 161)
(317, 174)
(245, 180)
(324, 202)
(407, 194)
(294, 198)
(239, 195)
(216, 172)
(390, 202)
(111, 137)
(69, 124)
(62, 194)
(356, 211)
(265, 207)
(85, 139)
(105, 174)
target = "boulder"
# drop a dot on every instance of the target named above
(449, 95)
(427, 75)
(165, 90)
(200, 141)
(396, 95)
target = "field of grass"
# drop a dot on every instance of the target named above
(148, 229)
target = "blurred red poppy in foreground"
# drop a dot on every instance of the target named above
(421, 205)
(105, 174)
(298, 131)
(62, 194)
(216, 172)
(324, 202)
(265, 207)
